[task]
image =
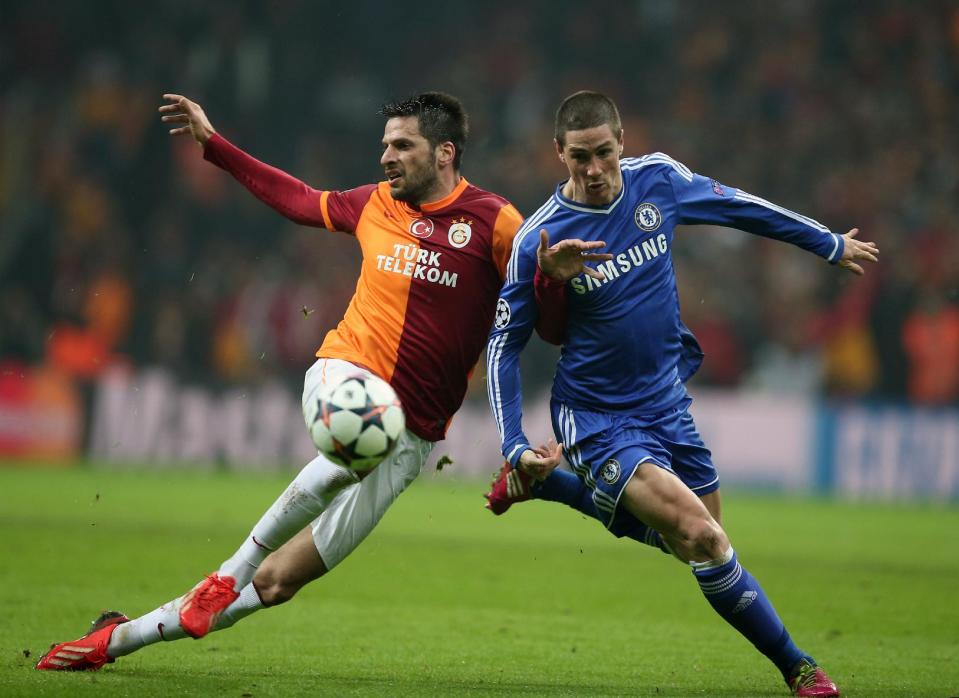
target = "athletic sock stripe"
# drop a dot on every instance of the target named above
(722, 585)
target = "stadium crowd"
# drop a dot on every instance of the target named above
(118, 244)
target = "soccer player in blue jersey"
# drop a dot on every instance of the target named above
(619, 402)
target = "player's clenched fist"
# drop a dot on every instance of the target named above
(181, 110)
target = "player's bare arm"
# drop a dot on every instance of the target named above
(181, 110)
(857, 251)
(567, 258)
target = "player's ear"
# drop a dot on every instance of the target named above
(445, 154)
(621, 141)
(559, 150)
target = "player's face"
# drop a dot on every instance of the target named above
(592, 157)
(409, 161)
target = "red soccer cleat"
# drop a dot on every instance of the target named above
(810, 680)
(510, 486)
(203, 604)
(89, 653)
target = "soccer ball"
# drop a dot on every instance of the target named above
(356, 421)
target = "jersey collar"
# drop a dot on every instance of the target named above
(586, 208)
(434, 206)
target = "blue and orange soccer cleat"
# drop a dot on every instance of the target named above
(810, 680)
(89, 653)
(510, 486)
(204, 603)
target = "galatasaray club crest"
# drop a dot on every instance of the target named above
(647, 217)
(460, 232)
(421, 227)
(610, 471)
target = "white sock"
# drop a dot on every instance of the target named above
(303, 500)
(164, 623)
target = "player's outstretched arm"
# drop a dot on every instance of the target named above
(567, 258)
(857, 251)
(181, 110)
(284, 193)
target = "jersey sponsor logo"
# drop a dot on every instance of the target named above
(501, 319)
(410, 260)
(610, 471)
(460, 232)
(647, 217)
(421, 227)
(623, 263)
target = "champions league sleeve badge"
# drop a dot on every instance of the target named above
(647, 217)
(501, 319)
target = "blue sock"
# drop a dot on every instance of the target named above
(737, 597)
(566, 487)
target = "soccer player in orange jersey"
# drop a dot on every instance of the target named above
(435, 249)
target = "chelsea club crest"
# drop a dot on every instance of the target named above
(610, 471)
(647, 217)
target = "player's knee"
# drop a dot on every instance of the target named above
(274, 586)
(707, 540)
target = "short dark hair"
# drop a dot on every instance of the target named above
(441, 118)
(586, 109)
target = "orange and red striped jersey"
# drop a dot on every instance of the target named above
(428, 284)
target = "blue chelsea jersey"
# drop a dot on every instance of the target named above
(626, 349)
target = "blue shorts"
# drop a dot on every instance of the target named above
(605, 449)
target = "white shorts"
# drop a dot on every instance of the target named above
(356, 510)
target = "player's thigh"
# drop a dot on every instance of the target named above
(713, 505)
(692, 462)
(656, 496)
(356, 510)
(325, 372)
(659, 498)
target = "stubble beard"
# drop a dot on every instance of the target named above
(416, 190)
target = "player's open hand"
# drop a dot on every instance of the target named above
(541, 461)
(181, 110)
(857, 251)
(567, 258)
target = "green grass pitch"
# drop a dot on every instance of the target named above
(445, 599)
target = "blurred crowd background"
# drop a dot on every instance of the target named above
(118, 243)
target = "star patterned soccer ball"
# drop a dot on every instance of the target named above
(356, 421)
